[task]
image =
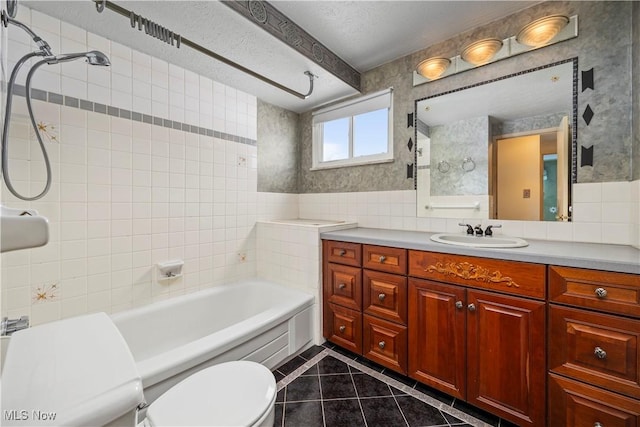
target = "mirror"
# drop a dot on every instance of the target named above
(500, 149)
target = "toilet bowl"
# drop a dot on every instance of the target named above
(80, 371)
(229, 394)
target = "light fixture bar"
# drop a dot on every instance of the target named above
(510, 47)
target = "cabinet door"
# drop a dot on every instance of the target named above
(575, 404)
(506, 356)
(437, 317)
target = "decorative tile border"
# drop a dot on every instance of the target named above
(83, 104)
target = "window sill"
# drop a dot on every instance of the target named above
(350, 164)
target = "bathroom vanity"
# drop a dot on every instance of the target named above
(543, 335)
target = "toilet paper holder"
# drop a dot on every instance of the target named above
(170, 269)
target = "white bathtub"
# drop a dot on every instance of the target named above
(249, 320)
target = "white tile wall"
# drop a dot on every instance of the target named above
(127, 194)
(603, 213)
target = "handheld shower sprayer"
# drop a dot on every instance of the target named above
(93, 57)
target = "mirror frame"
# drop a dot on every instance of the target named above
(573, 155)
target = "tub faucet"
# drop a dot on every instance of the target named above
(9, 326)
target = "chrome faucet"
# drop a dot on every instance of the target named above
(469, 227)
(9, 326)
(489, 232)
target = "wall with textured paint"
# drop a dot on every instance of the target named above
(636, 90)
(604, 43)
(278, 149)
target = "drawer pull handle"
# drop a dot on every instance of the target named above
(342, 252)
(472, 307)
(342, 286)
(381, 344)
(343, 328)
(382, 258)
(600, 353)
(601, 292)
(381, 297)
(458, 304)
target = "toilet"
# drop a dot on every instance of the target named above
(229, 394)
(80, 371)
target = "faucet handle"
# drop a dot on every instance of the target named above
(469, 227)
(489, 232)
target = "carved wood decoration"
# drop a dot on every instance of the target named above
(279, 25)
(468, 271)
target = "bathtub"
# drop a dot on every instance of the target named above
(249, 320)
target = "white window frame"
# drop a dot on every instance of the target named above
(365, 104)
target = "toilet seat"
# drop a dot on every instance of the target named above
(238, 393)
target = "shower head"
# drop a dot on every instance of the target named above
(93, 57)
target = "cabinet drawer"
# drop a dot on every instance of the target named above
(385, 295)
(513, 277)
(385, 343)
(343, 286)
(598, 290)
(343, 253)
(343, 327)
(382, 258)
(575, 404)
(599, 349)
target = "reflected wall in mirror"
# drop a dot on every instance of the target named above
(502, 149)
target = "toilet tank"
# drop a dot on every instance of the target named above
(75, 372)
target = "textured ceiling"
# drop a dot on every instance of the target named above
(365, 34)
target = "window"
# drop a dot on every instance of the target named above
(355, 132)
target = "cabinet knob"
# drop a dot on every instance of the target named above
(342, 286)
(601, 292)
(342, 252)
(381, 344)
(343, 328)
(471, 307)
(600, 353)
(597, 424)
(381, 297)
(382, 258)
(459, 304)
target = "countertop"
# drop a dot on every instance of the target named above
(619, 258)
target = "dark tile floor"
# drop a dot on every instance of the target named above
(326, 386)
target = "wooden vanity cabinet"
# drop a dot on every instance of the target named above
(594, 348)
(342, 294)
(483, 347)
(365, 309)
(536, 345)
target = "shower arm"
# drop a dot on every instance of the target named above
(102, 4)
(42, 45)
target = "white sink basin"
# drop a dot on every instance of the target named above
(479, 241)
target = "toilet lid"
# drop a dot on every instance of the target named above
(228, 394)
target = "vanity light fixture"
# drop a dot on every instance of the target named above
(482, 51)
(433, 68)
(541, 31)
